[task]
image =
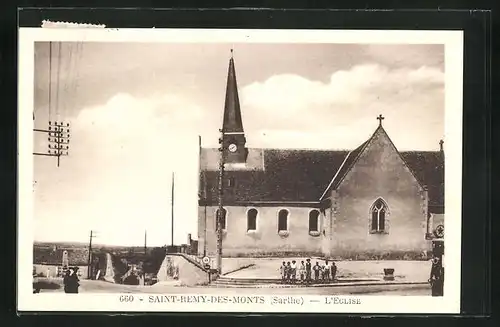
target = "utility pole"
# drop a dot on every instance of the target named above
(58, 137)
(172, 208)
(145, 242)
(89, 269)
(221, 206)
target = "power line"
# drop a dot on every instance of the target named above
(50, 80)
(58, 80)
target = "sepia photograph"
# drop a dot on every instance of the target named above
(256, 171)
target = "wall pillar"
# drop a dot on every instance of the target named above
(425, 213)
(325, 232)
(328, 226)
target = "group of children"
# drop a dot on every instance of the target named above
(306, 273)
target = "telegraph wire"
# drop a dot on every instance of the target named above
(50, 80)
(79, 55)
(58, 79)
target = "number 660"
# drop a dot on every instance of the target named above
(126, 298)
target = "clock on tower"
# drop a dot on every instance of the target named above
(232, 147)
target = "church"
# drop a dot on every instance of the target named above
(373, 202)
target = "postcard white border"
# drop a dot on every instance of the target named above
(453, 41)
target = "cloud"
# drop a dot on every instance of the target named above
(410, 98)
(118, 174)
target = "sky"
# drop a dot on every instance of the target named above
(137, 110)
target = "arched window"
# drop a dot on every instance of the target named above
(223, 219)
(314, 221)
(378, 215)
(283, 220)
(252, 220)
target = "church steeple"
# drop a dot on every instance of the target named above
(232, 125)
(232, 112)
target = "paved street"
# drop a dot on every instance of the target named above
(88, 286)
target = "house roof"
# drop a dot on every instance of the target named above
(303, 176)
(49, 256)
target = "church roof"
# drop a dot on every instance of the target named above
(303, 175)
(428, 167)
(288, 176)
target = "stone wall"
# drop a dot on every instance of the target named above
(265, 240)
(50, 271)
(188, 273)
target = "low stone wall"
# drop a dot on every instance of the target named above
(344, 255)
(187, 273)
(50, 271)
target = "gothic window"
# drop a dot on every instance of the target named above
(378, 216)
(252, 220)
(314, 221)
(223, 219)
(283, 220)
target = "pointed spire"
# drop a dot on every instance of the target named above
(232, 114)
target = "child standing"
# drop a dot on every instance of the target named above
(326, 276)
(317, 271)
(283, 272)
(288, 271)
(293, 271)
(333, 270)
(308, 271)
(302, 272)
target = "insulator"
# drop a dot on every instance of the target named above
(50, 128)
(67, 124)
